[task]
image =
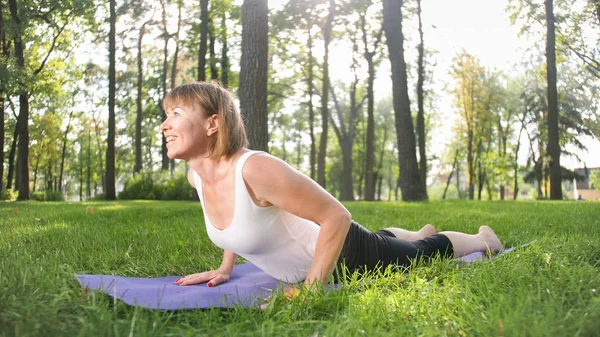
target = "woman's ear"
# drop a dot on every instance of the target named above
(213, 125)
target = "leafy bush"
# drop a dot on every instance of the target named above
(9, 195)
(47, 196)
(99, 197)
(595, 179)
(158, 186)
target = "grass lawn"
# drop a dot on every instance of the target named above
(551, 288)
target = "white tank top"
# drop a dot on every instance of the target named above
(276, 241)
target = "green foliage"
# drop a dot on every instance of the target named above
(148, 185)
(595, 180)
(99, 197)
(47, 196)
(8, 195)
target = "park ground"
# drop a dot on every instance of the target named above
(549, 288)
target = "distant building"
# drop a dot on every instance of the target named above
(583, 188)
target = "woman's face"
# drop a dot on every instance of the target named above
(187, 131)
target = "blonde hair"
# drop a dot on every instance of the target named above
(212, 99)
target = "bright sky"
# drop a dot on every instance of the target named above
(483, 29)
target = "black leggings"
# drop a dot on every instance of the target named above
(364, 250)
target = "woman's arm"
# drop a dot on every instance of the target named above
(228, 262)
(273, 181)
(212, 277)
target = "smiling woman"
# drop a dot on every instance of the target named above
(200, 105)
(260, 208)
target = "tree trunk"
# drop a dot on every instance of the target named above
(516, 168)
(553, 133)
(139, 108)
(64, 153)
(224, 50)
(101, 160)
(35, 170)
(81, 171)
(110, 191)
(88, 189)
(410, 181)
(311, 112)
(420, 100)
(174, 67)
(203, 40)
(470, 165)
(450, 175)
(325, 97)
(165, 158)
(253, 72)
(370, 160)
(1, 135)
(11, 158)
(345, 135)
(458, 180)
(379, 184)
(214, 72)
(539, 178)
(488, 186)
(23, 148)
(4, 48)
(361, 179)
(23, 118)
(480, 175)
(347, 190)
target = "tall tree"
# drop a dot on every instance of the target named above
(203, 40)
(214, 71)
(11, 157)
(27, 18)
(410, 180)
(370, 58)
(224, 51)
(327, 29)
(110, 191)
(64, 153)
(420, 98)
(3, 54)
(163, 77)
(311, 110)
(469, 97)
(345, 130)
(253, 72)
(139, 101)
(552, 119)
(174, 65)
(23, 119)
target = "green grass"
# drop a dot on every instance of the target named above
(550, 288)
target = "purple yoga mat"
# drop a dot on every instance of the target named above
(247, 286)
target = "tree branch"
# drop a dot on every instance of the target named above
(339, 110)
(38, 70)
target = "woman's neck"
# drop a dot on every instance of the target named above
(214, 170)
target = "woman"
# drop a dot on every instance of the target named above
(258, 207)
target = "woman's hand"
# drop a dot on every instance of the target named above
(291, 292)
(213, 277)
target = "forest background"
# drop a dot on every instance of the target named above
(347, 91)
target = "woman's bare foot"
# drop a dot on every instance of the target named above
(490, 239)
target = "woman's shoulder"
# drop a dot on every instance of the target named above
(262, 162)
